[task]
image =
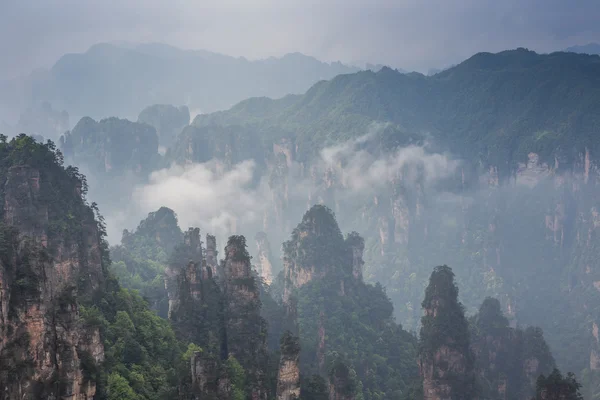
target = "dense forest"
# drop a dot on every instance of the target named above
(482, 177)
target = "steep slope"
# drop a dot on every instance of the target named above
(446, 361)
(52, 255)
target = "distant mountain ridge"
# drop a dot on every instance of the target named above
(590, 48)
(121, 80)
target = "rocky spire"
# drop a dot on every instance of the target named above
(445, 358)
(356, 246)
(508, 360)
(211, 253)
(288, 377)
(184, 273)
(316, 249)
(209, 377)
(246, 329)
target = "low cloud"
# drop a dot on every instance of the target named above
(203, 195)
(361, 170)
(227, 201)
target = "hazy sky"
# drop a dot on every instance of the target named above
(411, 34)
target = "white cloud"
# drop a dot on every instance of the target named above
(203, 196)
(361, 170)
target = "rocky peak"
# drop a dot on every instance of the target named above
(211, 253)
(445, 357)
(184, 272)
(246, 329)
(52, 256)
(505, 360)
(160, 229)
(317, 249)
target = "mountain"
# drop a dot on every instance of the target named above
(112, 80)
(490, 166)
(489, 102)
(590, 48)
(68, 329)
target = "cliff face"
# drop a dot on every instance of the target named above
(264, 265)
(316, 249)
(220, 313)
(342, 384)
(288, 377)
(246, 329)
(210, 380)
(48, 262)
(183, 275)
(507, 360)
(445, 357)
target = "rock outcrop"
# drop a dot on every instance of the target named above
(342, 382)
(210, 380)
(507, 360)
(445, 357)
(246, 329)
(212, 254)
(315, 250)
(185, 283)
(288, 376)
(51, 257)
(222, 315)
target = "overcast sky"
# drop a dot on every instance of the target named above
(410, 34)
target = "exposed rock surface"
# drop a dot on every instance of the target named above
(264, 265)
(507, 360)
(288, 377)
(44, 268)
(342, 385)
(445, 359)
(209, 378)
(246, 329)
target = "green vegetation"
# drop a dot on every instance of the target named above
(112, 146)
(139, 262)
(355, 318)
(557, 387)
(501, 349)
(444, 322)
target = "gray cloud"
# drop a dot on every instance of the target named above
(405, 33)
